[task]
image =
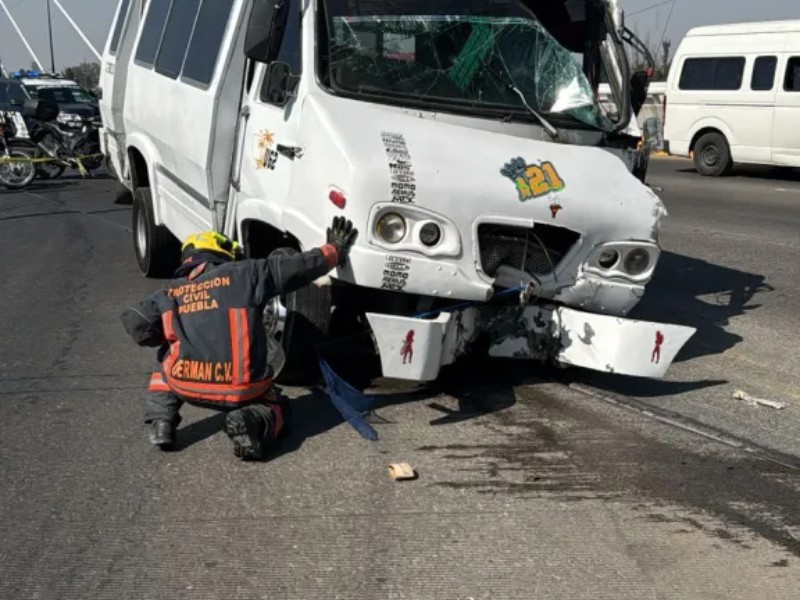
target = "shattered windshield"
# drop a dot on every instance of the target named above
(491, 57)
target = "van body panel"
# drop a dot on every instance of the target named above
(786, 137)
(114, 81)
(565, 221)
(180, 129)
(458, 182)
(759, 125)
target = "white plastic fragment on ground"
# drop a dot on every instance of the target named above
(740, 395)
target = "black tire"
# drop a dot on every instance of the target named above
(27, 178)
(48, 170)
(122, 195)
(308, 318)
(157, 251)
(88, 148)
(712, 155)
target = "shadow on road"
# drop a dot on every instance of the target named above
(788, 174)
(39, 186)
(693, 292)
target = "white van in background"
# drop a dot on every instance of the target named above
(733, 96)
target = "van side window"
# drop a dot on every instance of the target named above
(792, 81)
(722, 73)
(291, 51)
(123, 16)
(209, 32)
(176, 37)
(153, 28)
(764, 73)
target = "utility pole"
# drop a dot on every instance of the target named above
(50, 30)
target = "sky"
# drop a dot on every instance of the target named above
(94, 18)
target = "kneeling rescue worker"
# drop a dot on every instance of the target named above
(212, 347)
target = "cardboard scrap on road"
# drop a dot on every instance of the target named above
(740, 395)
(401, 471)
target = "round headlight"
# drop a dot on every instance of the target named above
(608, 258)
(391, 228)
(637, 262)
(430, 234)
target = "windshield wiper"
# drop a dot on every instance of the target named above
(548, 127)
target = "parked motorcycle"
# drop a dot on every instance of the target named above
(65, 149)
(16, 170)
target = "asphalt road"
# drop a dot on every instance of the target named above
(581, 487)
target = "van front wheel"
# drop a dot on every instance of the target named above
(157, 250)
(712, 155)
(296, 324)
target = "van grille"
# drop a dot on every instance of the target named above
(537, 251)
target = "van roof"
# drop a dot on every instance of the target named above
(743, 28)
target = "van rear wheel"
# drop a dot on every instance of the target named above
(712, 155)
(157, 250)
(295, 325)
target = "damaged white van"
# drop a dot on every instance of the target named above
(500, 207)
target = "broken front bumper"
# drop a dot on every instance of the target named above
(415, 349)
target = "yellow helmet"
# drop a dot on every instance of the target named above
(211, 241)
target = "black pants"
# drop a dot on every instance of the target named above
(164, 405)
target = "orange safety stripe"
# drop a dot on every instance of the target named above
(220, 388)
(235, 346)
(331, 255)
(212, 392)
(245, 347)
(157, 384)
(174, 343)
(256, 392)
(197, 271)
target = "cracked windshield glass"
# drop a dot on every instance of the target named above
(485, 57)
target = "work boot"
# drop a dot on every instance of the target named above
(162, 434)
(246, 428)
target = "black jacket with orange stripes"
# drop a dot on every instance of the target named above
(208, 323)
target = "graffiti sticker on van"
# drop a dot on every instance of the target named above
(532, 180)
(264, 153)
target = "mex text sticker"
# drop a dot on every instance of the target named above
(401, 170)
(534, 180)
(395, 273)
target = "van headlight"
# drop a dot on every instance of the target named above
(630, 260)
(636, 262)
(391, 228)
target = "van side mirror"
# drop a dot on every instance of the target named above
(640, 82)
(281, 84)
(17, 102)
(265, 29)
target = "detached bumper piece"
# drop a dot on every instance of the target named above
(416, 349)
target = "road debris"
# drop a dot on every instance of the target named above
(401, 471)
(740, 395)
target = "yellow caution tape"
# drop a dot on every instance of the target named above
(11, 159)
(81, 169)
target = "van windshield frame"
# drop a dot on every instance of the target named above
(455, 56)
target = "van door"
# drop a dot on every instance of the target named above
(114, 78)
(183, 100)
(269, 129)
(755, 127)
(786, 141)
